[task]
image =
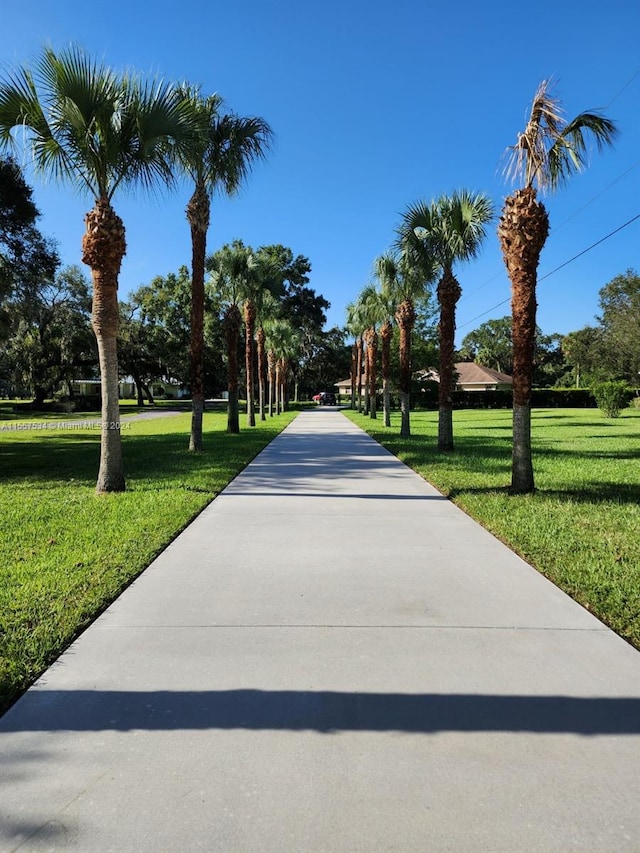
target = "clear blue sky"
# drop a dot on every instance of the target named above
(374, 105)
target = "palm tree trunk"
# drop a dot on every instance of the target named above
(232, 323)
(386, 333)
(359, 344)
(372, 379)
(523, 230)
(271, 368)
(278, 382)
(261, 337)
(103, 247)
(249, 325)
(406, 318)
(448, 295)
(354, 373)
(198, 217)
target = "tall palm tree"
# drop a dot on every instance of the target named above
(547, 153)
(99, 131)
(450, 229)
(375, 311)
(267, 310)
(263, 276)
(404, 281)
(386, 312)
(219, 159)
(282, 344)
(356, 325)
(229, 268)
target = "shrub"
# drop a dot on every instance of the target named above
(612, 397)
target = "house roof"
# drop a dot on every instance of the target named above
(470, 373)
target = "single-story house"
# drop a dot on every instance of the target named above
(473, 377)
(169, 389)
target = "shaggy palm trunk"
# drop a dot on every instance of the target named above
(354, 374)
(448, 294)
(406, 319)
(360, 346)
(103, 247)
(372, 378)
(198, 211)
(271, 367)
(386, 333)
(277, 383)
(365, 358)
(523, 230)
(249, 325)
(232, 323)
(283, 384)
(260, 338)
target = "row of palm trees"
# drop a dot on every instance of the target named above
(434, 237)
(102, 131)
(249, 284)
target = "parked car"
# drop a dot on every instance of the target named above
(327, 398)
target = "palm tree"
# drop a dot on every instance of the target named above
(404, 282)
(282, 344)
(386, 313)
(229, 268)
(100, 132)
(219, 159)
(450, 230)
(375, 308)
(267, 310)
(356, 326)
(263, 276)
(547, 153)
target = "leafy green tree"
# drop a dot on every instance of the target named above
(583, 352)
(620, 326)
(547, 153)
(449, 230)
(331, 361)
(220, 157)
(52, 340)
(99, 131)
(305, 310)
(490, 345)
(156, 333)
(27, 259)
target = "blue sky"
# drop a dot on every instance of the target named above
(374, 105)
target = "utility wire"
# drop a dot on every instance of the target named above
(555, 270)
(580, 209)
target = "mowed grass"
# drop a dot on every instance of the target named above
(66, 552)
(581, 528)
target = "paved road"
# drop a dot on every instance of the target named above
(332, 657)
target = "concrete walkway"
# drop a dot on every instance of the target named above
(332, 657)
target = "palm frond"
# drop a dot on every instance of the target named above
(550, 150)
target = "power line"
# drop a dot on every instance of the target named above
(626, 85)
(580, 209)
(555, 270)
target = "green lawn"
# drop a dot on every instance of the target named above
(67, 553)
(582, 526)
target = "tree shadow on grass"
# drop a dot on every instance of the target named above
(58, 458)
